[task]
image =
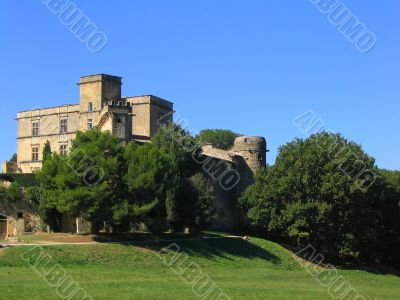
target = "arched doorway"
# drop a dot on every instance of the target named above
(3, 227)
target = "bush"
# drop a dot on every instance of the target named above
(24, 180)
(14, 192)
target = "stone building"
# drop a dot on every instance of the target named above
(232, 172)
(101, 105)
(130, 118)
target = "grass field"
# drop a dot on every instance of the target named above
(254, 269)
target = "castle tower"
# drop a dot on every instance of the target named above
(96, 91)
(252, 150)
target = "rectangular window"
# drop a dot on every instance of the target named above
(63, 149)
(35, 129)
(63, 126)
(90, 106)
(90, 124)
(35, 153)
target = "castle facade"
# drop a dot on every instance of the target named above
(100, 105)
(133, 118)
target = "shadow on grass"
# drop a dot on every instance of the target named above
(312, 257)
(146, 236)
(373, 269)
(209, 246)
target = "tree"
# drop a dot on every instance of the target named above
(11, 165)
(13, 158)
(179, 147)
(32, 196)
(46, 151)
(146, 179)
(324, 191)
(219, 138)
(189, 195)
(204, 210)
(392, 178)
(88, 182)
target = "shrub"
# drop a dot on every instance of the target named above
(14, 192)
(24, 180)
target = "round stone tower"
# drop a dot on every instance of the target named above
(253, 153)
(253, 149)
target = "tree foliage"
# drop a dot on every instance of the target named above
(13, 158)
(86, 183)
(14, 192)
(46, 151)
(179, 147)
(321, 192)
(204, 210)
(219, 138)
(105, 182)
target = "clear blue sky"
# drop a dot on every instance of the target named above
(249, 66)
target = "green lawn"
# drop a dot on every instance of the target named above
(255, 269)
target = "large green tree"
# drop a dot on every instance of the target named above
(88, 182)
(146, 179)
(219, 138)
(203, 208)
(179, 147)
(326, 191)
(190, 195)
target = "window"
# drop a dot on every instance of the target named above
(90, 124)
(63, 126)
(35, 129)
(63, 149)
(20, 215)
(90, 106)
(35, 153)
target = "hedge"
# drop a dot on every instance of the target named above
(24, 180)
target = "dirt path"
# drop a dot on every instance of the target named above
(48, 243)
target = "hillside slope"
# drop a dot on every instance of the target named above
(254, 269)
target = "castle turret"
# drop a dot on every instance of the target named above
(252, 150)
(97, 90)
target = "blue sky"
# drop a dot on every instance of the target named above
(250, 66)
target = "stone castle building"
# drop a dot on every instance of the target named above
(100, 105)
(134, 118)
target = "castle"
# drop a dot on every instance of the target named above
(134, 118)
(101, 105)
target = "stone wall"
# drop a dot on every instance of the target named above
(49, 130)
(21, 217)
(140, 117)
(247, 156)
